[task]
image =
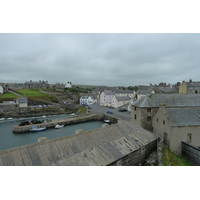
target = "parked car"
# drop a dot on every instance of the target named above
(89, 107)
(122, 110)
(109, 112)
(111, 107)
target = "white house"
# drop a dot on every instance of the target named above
(87, 100)
(106, 98)
(68, 85)
(1, 90)
(119, 101)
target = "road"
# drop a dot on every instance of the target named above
(96, 108)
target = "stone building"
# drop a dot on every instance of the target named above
(14, 106)
(191, 87)
(146, 113)
(143, 110)
(9, 106)
(177, 125)
(36, 85)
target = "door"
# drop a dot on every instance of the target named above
(165, 138)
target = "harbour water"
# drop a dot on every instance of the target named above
(8, 139)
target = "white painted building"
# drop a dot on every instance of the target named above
(116, 99)
(1, 90)
(119, 101)
(68, 85)
(87, 100)
(106, 98)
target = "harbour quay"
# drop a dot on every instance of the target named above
(64, 121)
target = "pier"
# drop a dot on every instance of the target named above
(64, 121)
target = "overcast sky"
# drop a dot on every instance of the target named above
(100, 59)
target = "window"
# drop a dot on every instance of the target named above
(163, 121)
(148, 118)
(157, 119)
(135, 116)
(135, 108)
(148, 109)
(189, 137)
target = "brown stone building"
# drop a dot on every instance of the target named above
(191, 87)
(36, 85)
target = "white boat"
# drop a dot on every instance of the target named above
(9, 118)
(2, 118)
(59, 126)
(36, 129)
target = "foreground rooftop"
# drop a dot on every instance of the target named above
(97, 147)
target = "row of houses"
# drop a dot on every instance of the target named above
(33, 85)
(173, 117)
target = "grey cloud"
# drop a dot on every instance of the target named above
(100, 59)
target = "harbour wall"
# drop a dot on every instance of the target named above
(65, 121)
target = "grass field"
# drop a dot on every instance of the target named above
(30, 92)
(8, 95)
(34, 93)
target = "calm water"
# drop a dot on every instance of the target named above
(8, 139)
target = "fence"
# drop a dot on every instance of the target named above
(191, 152)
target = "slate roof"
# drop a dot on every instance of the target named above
(84, 97)
(97, 147)
(123, 98)
(184, 116)
(22, 100)
(35, 82)
(166, 89)
(109, 93)
(124, 92)
(145, 91)
(193, 84)
(170, 100)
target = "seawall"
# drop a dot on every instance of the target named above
(64, 121)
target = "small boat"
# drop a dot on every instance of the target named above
(9, 118)
(2, 118)
(59, 126)
(107, 121)
(36, 129)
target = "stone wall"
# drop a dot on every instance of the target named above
(137, 157)
(191, 152)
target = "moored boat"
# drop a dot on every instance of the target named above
(59, 126)
(36, 129)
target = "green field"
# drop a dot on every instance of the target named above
(36, 94)
(7, 97)
(30, 92)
